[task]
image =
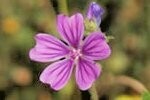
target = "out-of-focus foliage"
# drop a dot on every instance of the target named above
(126, 20)
(128, 97)
(146, 96)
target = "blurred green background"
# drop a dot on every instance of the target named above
(127, 20)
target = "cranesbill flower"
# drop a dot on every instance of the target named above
(95, 12)
(72, 52)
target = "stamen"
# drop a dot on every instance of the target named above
(75, 54)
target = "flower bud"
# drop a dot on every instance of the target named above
(95, 12)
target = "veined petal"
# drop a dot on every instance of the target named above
(86, 73)
(71, 29)
(57, 74)
(48, 48)
(95, 47)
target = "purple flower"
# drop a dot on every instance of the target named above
(75, 52)
(95, 12)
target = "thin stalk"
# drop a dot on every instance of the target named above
(49, 7)
(93, 92)
(63, 7)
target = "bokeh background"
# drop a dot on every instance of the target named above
(125, 73)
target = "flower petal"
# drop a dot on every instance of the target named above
(95, 47)
(57, 74)
(71, 29)
(86, 73)
(48, 48)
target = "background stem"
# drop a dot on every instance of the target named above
(132, 83)
(63, 7)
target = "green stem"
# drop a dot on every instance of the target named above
(93, 92)
(49, 6)
(62, 6)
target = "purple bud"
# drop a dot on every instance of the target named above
(95, 12)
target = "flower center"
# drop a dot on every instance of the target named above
(75, 54)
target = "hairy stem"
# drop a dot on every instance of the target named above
(62, 6)
(93, 92)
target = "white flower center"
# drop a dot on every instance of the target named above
(75, 54)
